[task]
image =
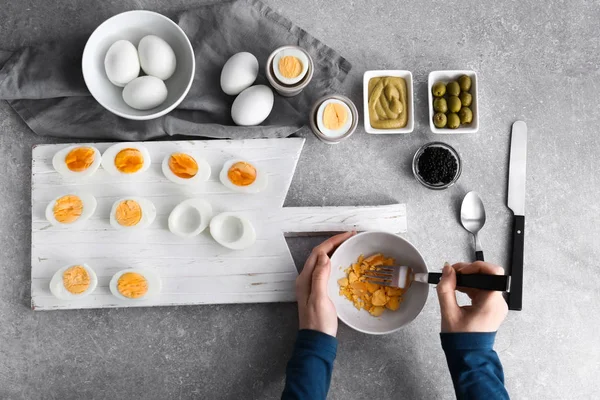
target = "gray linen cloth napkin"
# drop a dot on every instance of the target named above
(45, 86)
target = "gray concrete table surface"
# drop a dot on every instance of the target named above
(537, 61)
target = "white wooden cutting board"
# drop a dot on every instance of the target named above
(196, 270)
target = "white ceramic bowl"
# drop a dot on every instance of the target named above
(369, 243)
(407, 76)
(133, 26)
(447, 76)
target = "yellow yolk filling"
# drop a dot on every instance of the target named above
(132, 285)
(76, 279)
(334, 116)
(290, 66)
(183, 165)
(80, 159)
(67, 209)
(129, 161)
(242, 174)
(128, 213)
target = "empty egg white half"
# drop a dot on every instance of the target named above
(121, 63)
(190, 217)
(202, 174)
(145, 93)
(154, 283)
(63, 205)
(111, 154)
(233, 231)
(333, 132)
(157, 58)
(148, 213)
(299, 56)
(74, 168)
(58, 289)
(259, 184)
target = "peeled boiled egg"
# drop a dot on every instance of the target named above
(126, 159)
(252, 106)
(77, 161)
(190, 217)
(132, 213)
(239, 73)
(334, 118)
(157, 58)
(71, 209)
(135, 284)
(290, 66)
(121, 63)
(243, 176)
(233, 231)
(145, 92)
(73, 282)
(185, 168)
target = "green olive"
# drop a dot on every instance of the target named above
(439, 120)
(453, 89)
(439, 89)
(439, 105)
(453, 121)
(466, 115)
(465, 83)
(466, 99)
(454, 104)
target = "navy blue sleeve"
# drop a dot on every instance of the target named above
(308, 373)
(474, 365)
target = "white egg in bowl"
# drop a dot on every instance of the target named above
(290, 66)
(73, 282)
(132, 213)
(135, 284)
(77, 161)
(190, 217)
(334, 118)
(233, 231)
(126, 159)
(185, 168)
(243, 176)
(71, 209)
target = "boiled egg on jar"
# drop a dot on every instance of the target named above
(145, 93)
(135, 284)
(239, 73)
(185, 168)
(290, 66)
(126, 159)
(252, 106)
(73, 282)
(334, 118)
(71, 209)
(121, 63)
(77, 161)
(132, 213)
(190, 217)
(157, 58)
(233, 231)
(243, 176)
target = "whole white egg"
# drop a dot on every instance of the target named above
(157, 58)
(252, 106)
(121, 63)
(338, 109)
(60, 291)
(132, 213)
(126, 159)
(145, 92)
(190, 217)
(290, 62)
(71, 210)
(243, 176)
(239, 73)
(152, 280)
(185, 168)
(233, 231)
(77, 161)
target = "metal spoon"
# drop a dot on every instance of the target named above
(472, 217)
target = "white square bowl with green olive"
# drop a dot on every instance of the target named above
(446, 77)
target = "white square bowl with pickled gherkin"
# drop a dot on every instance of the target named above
(447, 77)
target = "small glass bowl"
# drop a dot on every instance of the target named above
(439, 186)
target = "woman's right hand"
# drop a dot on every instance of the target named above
(488, 308)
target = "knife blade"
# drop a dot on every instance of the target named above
(516, 202)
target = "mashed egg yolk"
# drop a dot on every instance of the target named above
(129, 161)
(76, 279)
(132, 285)
(242, 174)
(183, 165)
(128, 213)
(290, 66)
(67, 209)
(334, 116)
(80, 159)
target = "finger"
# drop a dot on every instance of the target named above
(459, 266)
(481, 267)
(330, 244)
(446, 296)
(320, 276)
(303, 281)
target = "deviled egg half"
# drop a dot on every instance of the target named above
(334, 118)
(135, 284)
(132, 213)
(190, 217)
(233, 231)
(185, 168)
(77, 161)
(71, 210)
(290, 66)
(242, 176)
(126, 159)
(73, 282)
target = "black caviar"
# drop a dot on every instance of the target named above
(437, 165)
